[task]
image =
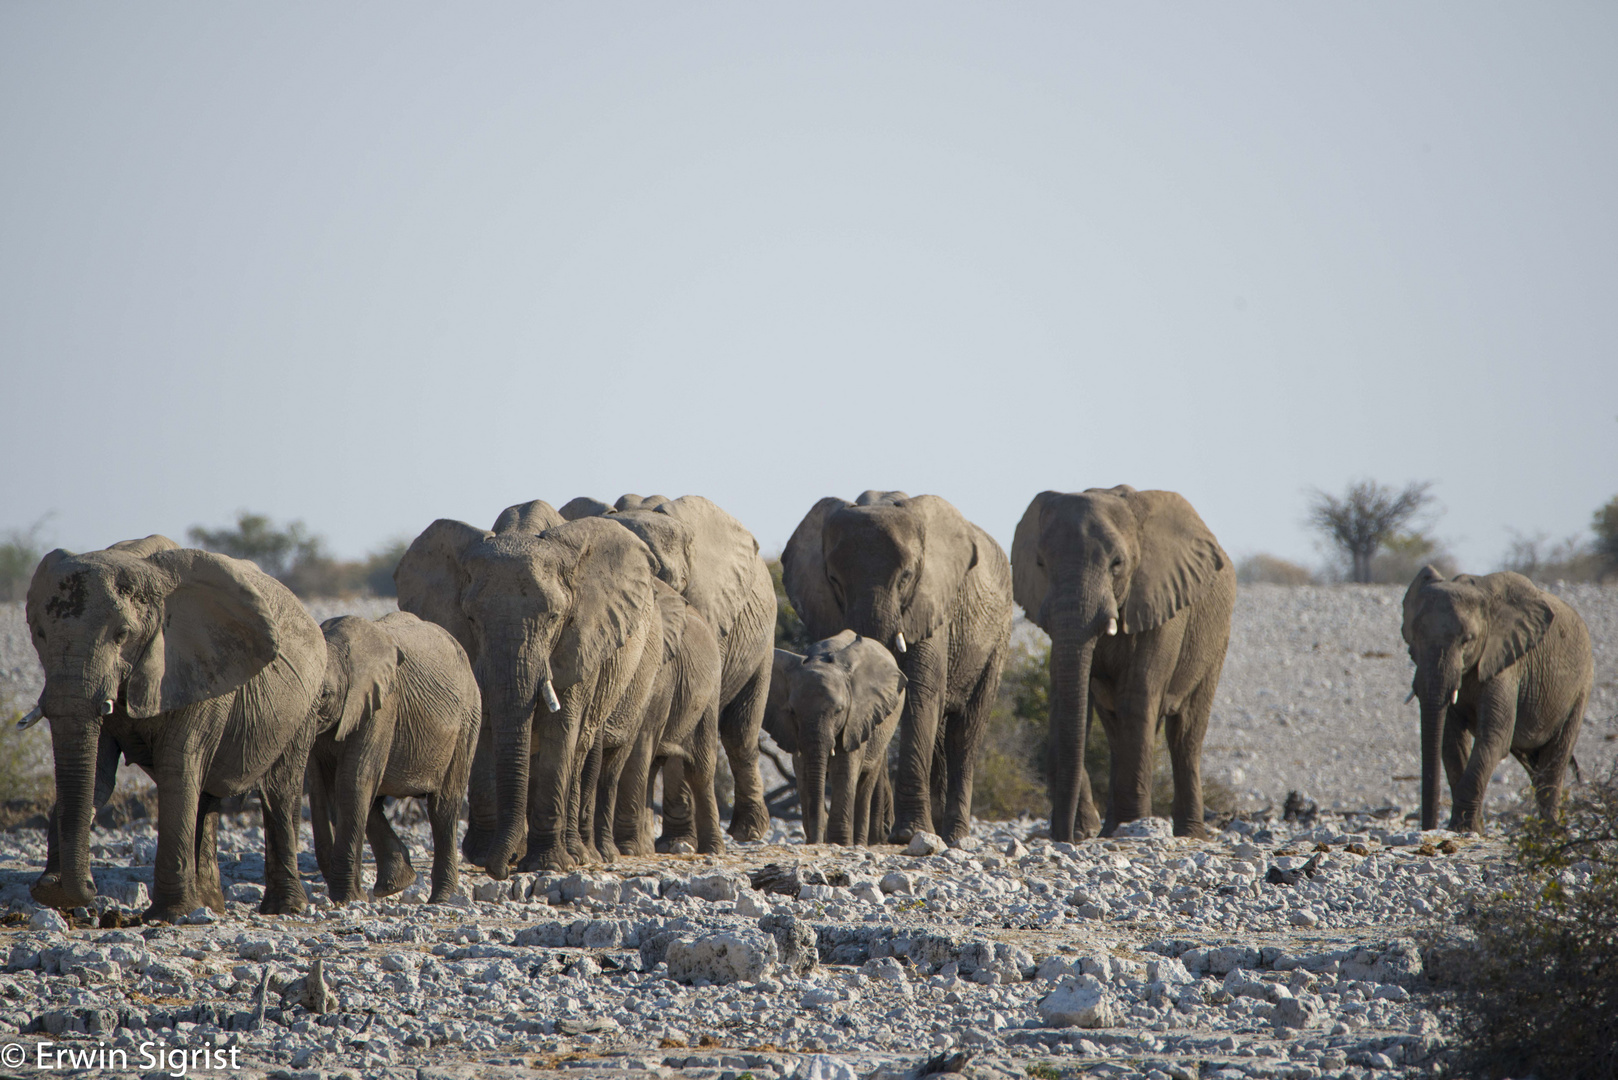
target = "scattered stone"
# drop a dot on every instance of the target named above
(1081, 1002)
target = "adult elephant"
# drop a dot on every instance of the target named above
(1136, 595)
(1500, 664)
(936, 589)
(201, 669)
(555, 616)
(712, 560)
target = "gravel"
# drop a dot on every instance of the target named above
(1276, 949)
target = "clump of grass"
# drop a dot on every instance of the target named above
(1534, 982)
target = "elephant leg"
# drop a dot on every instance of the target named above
(740, 720)
(864, 785)
(842, 783)
(443, 814)
(209, 888)
(1131, 736)
(321, 781)
(697, 781)
(963, 736)
(174, 879)
(881, 820)
(1186, 730)
(1496, 720)
(1454, 749)
(551, 796)
(630, 834)
(924, 665)
(356, 792)
(394, 873)
(46, 888)
(678, 823)
(1548, 763)
(582, 838)
(614, 760)
(483, 816)
(281, 791)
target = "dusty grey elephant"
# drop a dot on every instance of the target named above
(712, 560)
(1136, 595)
(921, 579)
(202, 670)
(399, 713)
(555, 616)
(678, 728)
(835, 710)
(1500, 664)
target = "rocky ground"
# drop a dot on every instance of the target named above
(1277, 949)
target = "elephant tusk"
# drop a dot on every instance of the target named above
(548, 692)
(1112, 627)
(1411, 698)
(899, 641)
(106, 707)
(1455, 698)
(32, 718)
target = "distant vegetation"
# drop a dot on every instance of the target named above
(1369, 522)
(1262, 569)
(298, 558)
(20, 553)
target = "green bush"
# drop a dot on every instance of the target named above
(20, 553)
(1535, 986)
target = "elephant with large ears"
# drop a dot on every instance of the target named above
(203, 669)
(918, 577)
(1502, 665)
(399, 713)
(835, 709)
(1136, 595)
(712, 560)
(555, 616)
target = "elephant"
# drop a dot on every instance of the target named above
(678, 728)
(835, 709)
(1500, 664)
(918, 577)
(1136, 595)
(398, 714)
(712, 560)
(201, 669)
(555, 616)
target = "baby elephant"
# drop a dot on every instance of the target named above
(835, 711)
(398, 715)
(1503, 666)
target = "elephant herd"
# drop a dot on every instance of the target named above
(550, 669)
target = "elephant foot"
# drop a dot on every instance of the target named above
(673, 843)
(395, 876)
(475, 847)
(903, 831)
(213, 897)
(553, 861)
(443, 895)
(1193, 830)
(49, 891)
(289, 901)
(169, 911)
(750, 821)
(712, 846)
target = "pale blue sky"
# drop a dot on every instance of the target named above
(372, 264)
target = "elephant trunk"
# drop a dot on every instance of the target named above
(509, 704)
(1073, 649)
(812, 791)
(74, 746)
(1436, 695)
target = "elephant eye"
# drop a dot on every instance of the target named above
(1117, 562)
(121, 636)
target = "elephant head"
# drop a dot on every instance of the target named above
(362, 662)
(886, 566)
(141, 628)
(1459, 629)
(1099, 563)
(539, 614)
(826, 703)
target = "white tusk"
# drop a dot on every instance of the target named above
(548, 692)
(1411, 698)
(899, 641)
(31, 719)
(106, 707)
(1112, 627)
(1455, 698)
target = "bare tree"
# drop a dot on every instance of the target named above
(1366, 517)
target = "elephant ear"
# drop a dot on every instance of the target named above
(671, 610)
(429, 578)
(373, 665)
(215, 631)
(1424, 577)
(803, 572)
(529, 517)
(145, 546)
(722, 557)
(1029, 581)
(583, 507)
(609, 572)
(670, 542)
(948, 550)
(778, 718)
(1519, 615)
(1179, 559)
(876, 689)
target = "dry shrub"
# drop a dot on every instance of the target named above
(1534, 988)
(1264, 569)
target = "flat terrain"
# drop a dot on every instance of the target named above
(1140, 956)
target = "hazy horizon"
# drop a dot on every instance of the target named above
(369, 266)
